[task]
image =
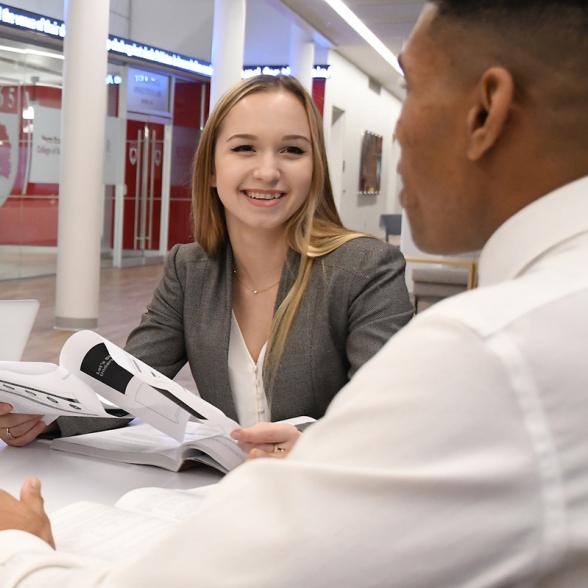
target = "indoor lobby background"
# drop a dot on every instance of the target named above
(158, 99)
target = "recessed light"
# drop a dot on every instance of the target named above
(361, 29)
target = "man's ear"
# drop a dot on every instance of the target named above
(488, 116)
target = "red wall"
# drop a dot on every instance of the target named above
(187, 101)
(29, 215)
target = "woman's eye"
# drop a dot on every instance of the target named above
(242, 148)
(293, 150)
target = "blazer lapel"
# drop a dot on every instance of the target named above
(209, 332)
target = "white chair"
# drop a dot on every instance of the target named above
(16, 321)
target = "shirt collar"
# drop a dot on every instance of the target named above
(534, 230)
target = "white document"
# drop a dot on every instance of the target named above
(117, 533)
(47, 389)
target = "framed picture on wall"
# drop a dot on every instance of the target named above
(370, 170)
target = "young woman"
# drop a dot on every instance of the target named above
(275, 305)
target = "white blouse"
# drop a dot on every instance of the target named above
(245, 377)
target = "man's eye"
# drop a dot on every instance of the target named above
(293, 150)
(241, 148)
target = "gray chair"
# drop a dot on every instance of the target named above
(391, 223)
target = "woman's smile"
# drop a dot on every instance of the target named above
(263, 198)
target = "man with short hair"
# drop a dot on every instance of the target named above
(458, 456)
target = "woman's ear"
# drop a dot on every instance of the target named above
(212, 180)
(488, 116)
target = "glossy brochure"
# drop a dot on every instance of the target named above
(90, 368)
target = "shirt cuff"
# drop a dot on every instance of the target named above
(26, 560)
(18, 543)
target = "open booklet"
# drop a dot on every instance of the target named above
(91, 368)
(121, 532)
(142, 444)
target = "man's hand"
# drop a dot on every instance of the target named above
(18, 430)
(267, 440)
(26, 514)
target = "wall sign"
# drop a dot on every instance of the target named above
(31, 21)
(46, 147)
(318, 71)
(52, 27)
(9, 139)
(160, 56)
(148, 92)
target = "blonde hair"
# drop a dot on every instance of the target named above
(314, 230)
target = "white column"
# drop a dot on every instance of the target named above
(81, 192)
(228, 41)
(301, 56)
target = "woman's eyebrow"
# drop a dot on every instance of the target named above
(242, 136)
(294, 137)
(248, 137)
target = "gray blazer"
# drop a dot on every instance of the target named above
(355, 301)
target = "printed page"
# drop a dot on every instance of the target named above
(104, 532)
(142, 443)
(223, 449)
(138, 440)
(139, 389)
(47, 389)
(164, 503)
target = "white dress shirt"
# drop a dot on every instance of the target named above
(456, 457)
(246, 379)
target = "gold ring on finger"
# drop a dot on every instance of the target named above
(9, 435)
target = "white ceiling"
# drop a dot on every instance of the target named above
(267, 33)
(390, 20)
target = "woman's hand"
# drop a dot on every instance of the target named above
(18, 430)
(267, 439)
(26, 514)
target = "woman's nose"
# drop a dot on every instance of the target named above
(267, 169)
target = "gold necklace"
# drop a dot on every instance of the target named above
(253, 290)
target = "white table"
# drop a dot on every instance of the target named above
(68, 478)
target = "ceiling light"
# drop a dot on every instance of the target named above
(361, 29)
(31, 52)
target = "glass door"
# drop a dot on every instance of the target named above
(142, 201)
